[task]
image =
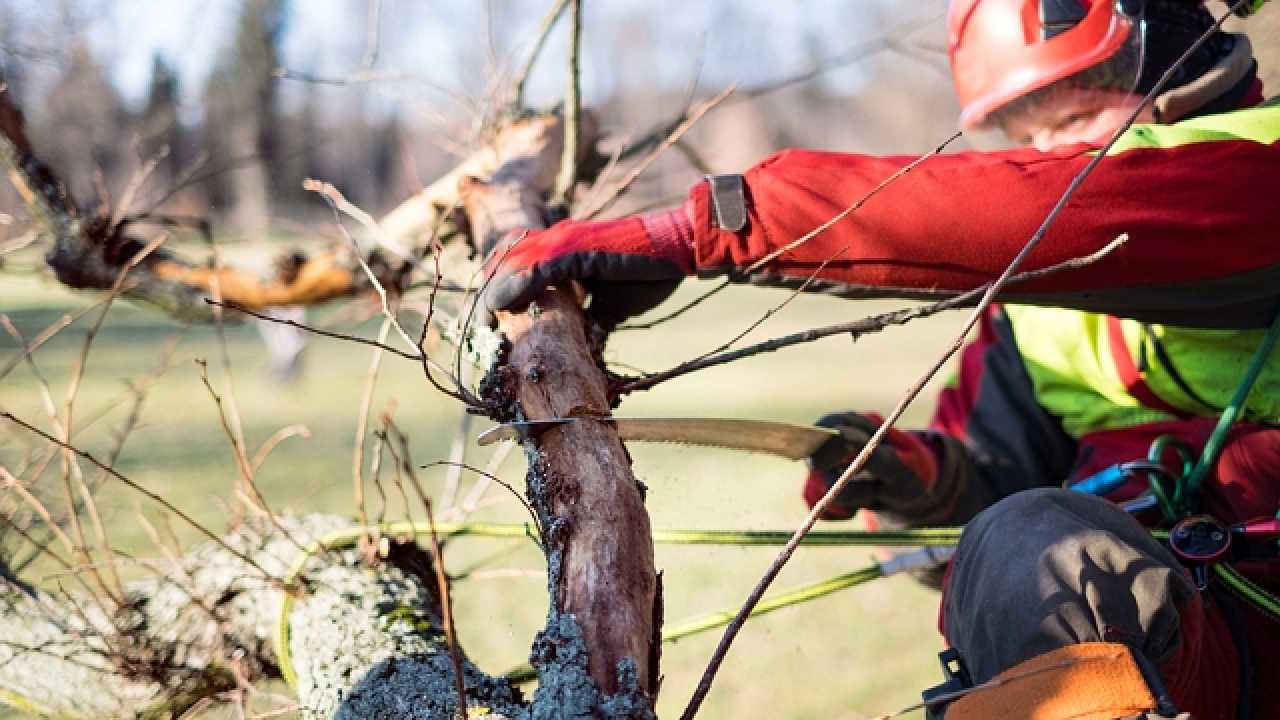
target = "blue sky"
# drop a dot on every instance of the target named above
(445, 43)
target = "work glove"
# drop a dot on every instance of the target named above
(900, 479)
(629, 265)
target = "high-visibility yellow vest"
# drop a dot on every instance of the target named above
(1069, 354)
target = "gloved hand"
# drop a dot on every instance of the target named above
(630, 265)
(898, 479)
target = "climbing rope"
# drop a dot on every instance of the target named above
(934, 541)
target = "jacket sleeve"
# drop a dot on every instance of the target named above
(1199, 201)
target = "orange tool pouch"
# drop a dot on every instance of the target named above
(1089, 681)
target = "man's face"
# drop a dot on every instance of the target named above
(1073, 116)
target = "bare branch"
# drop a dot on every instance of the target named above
(562, 193)
(858, 328)
(615, 191)
(548, 23)
(145, 493)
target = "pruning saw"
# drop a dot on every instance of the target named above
(795, 442)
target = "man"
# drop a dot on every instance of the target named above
(1079, 371)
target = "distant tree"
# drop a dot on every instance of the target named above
(242, 112)
(83, 124)
(161, 126)
(387, 145)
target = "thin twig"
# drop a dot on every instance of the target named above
(47, 334)
(71, 468)
(863, 326)
(279, 436)
(437, 558)
(234, 429)
(457, 456)
(548, 24)
(493, 478)
(562, 193)
(249, 484)
(337, 202)
(237, 449)
(680, 310)
(773, 310)
(149, 495)
(472, 501)
(616, 191)
(315, 330)
(819, 508)
(362, 425)
(16, 485)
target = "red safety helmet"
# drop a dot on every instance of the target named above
(1002, 50)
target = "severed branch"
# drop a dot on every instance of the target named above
(90, 251)
(364, 640)
(856, 328)
(562, 193)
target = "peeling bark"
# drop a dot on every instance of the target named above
(171, 645)
(366, 641)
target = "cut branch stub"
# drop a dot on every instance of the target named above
(597, 533)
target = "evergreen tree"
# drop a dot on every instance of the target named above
(242, 113)
(161, 126)
(81, 124)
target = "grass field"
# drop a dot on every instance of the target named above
(854, 654)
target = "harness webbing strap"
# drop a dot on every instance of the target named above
(1130, 375)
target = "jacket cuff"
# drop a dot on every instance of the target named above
(671, 234)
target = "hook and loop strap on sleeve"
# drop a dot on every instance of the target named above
(728, 201)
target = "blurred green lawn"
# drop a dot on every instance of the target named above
(854, 654)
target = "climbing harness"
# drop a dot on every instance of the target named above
(1203, 543)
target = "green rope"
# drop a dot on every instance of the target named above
(350, 537)
(918, 537)
(1213, 448)
(526, 673)
(1246, 588)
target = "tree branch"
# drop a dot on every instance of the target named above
(856, 328)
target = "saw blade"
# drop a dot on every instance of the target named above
(795, 442)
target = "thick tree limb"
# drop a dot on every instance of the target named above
(89, 251)
(366, 640)
(604, 601)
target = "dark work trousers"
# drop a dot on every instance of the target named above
(1045, 568)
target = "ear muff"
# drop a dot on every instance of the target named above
(1131, 8)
